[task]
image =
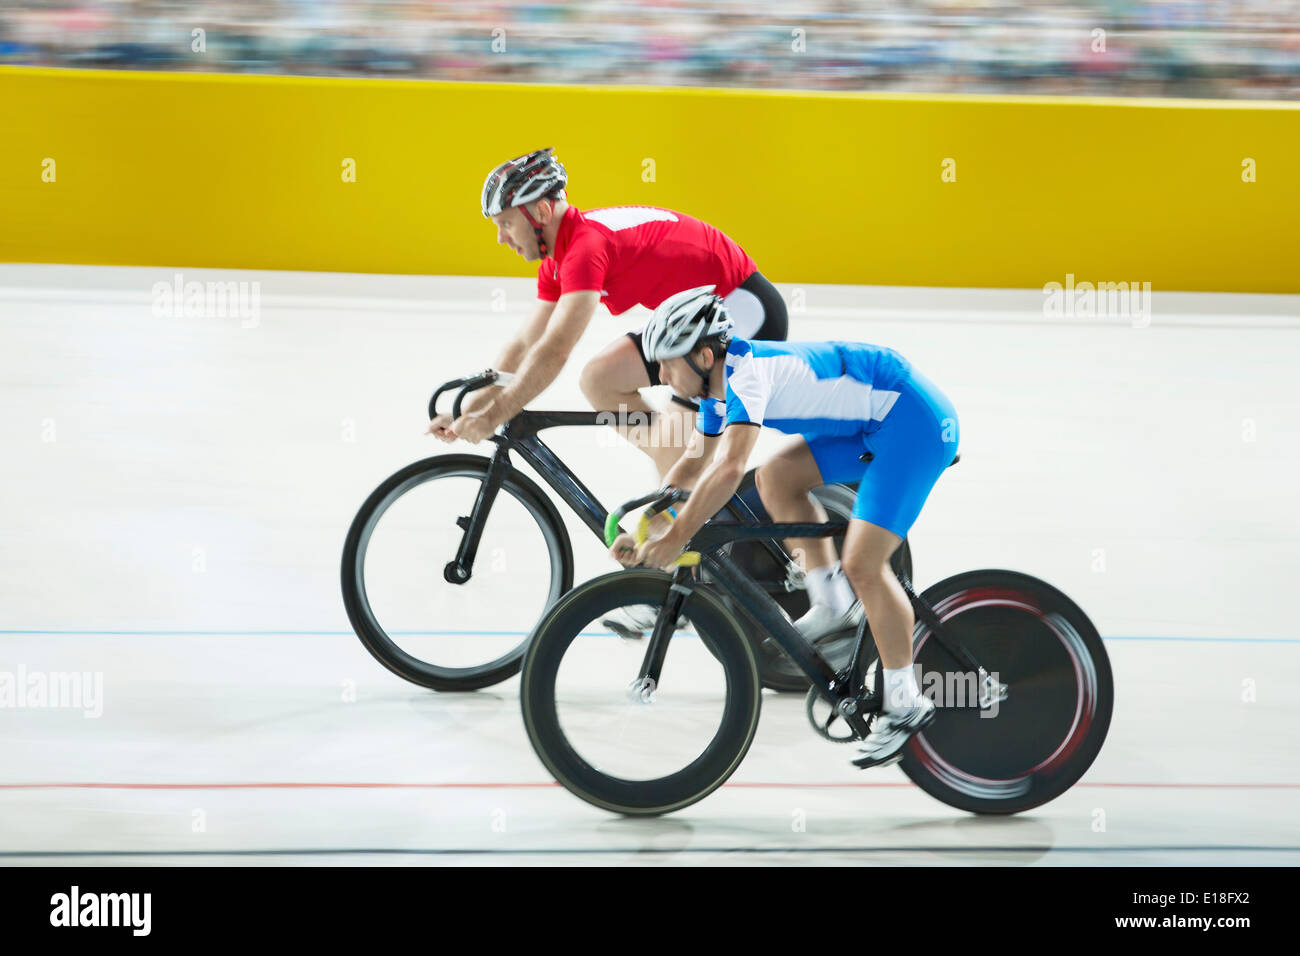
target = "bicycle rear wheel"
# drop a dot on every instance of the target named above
(1030, 748)
(610, 743)
(409, 617)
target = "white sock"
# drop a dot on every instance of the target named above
(841, 591)
(818, 581)
(829, 586)
(901, 692)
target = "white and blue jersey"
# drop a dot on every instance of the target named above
(867, 415)
(806, 388)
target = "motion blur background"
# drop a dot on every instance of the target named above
(180, 485)
(1177, 48)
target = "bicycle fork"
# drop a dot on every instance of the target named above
(459, 568)
(652, 664)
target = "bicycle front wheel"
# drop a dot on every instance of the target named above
(1010, 755)
(628, 747)
(438, 634)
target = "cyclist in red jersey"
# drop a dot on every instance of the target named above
(619, 256)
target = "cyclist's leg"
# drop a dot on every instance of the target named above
(911, 449)
(785, 479)
(865, 559)
(610, 382)
(611, 379)
(783, 485)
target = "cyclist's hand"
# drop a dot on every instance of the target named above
(473, 427)
(662, 551)
(623, 550)
(660, 524)
(440, 428)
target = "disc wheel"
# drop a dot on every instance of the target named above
(1018, 753)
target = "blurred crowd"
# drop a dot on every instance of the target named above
(1187, 48)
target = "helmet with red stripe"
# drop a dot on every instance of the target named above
(524, 179)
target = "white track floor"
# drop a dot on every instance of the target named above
(175, 493)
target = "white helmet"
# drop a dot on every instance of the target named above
(681, 321)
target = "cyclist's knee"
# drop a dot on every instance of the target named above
(601, 383)
(772, 483)
(867, 568)
(781, 479)
(589, 380)
(608, 380)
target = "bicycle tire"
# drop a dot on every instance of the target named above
(1060, 695)
(713, 623)
(364, 622)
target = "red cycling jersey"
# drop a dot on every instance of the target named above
(639, 254)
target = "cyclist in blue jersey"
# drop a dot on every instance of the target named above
(860, 413)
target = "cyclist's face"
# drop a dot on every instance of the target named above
(677, 375)
(513, 230)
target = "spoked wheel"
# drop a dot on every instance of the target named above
(622, 746)
(414, 621)
(1020, 752)
(778, 672)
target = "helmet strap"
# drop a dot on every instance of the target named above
(537, 227)
(698, 371)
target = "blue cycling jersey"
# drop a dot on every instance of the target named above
(806, 388)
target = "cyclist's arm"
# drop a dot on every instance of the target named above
(513, 354)
(547, 356)
(718, 483)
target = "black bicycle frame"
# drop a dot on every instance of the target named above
(844, 690)
(520, 434)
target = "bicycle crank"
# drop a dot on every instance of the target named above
(843, 734)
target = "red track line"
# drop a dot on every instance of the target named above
(524, 786)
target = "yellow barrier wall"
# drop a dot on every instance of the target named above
(245, 172)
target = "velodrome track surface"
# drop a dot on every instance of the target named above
(176, 492)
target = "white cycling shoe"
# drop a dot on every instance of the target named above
(636, 621)
(822, 620)
(890, 732)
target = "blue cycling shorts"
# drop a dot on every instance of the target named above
(912, 446)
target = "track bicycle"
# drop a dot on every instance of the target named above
(1019, 675)
(460, 537)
